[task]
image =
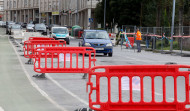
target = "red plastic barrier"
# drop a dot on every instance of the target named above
(131, 39)
(161, 88)
(80, 34)
(64, 59)
(40, 38)
(30, 45)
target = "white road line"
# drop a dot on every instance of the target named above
(43, 93)
(158, 94)
(67, 91)
(1, 109)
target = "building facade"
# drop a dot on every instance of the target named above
(1, 9)
(62, 12)
(79, 12)
(21, 10)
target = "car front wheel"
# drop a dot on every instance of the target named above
(110, 54)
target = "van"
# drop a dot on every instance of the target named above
(60, 33)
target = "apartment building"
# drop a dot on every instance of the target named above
(1, 9)
(50, 11)
(78, 12)
(21, 10)
(63, 12)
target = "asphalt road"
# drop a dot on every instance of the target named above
(67, 92)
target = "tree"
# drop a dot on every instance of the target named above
(148, 13)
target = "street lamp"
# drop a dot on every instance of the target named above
(172, 28)
(105, 14)
(91, 16)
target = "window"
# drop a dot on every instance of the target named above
(14, 4)
(25, 3)
(10, 5)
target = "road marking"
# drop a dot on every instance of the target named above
(149, 61)
(43, 93)
(1, 109)
(63, 88)
(67, 91)
(158, 94)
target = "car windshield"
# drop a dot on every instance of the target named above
(16, 26)
(60, 30)
(96, 35)
(40, 27)
(30, 25)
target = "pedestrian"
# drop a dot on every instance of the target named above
(147, 41)
(138, 40)
(120, 37)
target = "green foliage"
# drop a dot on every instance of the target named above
(143, 12)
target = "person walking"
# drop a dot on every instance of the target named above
(147, 41)
(120, 37)
(138, 40)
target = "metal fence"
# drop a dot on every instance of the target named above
(160, 37)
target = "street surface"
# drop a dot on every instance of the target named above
(67, 92)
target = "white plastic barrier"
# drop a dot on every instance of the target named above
(26, 35)
(17, 34)
(112, 37)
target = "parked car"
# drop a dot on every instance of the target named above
(13, 28)
(1, 23)
(30, 28)
(24, 25)
(60, 33)
(99, 40)
(40, 28)
(52, 25)
(4, 24)
(8, 26)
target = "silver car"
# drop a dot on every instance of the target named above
(30, 27)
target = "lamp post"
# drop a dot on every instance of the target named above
(77, 16)
(172, 28)
(105, 14)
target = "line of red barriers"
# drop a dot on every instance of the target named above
(52, 59)
(30, 45)
(40, 38)
(64, 59)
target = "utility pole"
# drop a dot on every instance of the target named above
(39, 2)
(91, 16)
(77, 18)
(105, 14)
(172, 28)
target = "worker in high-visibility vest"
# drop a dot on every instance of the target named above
(138, 40)
(120, 37)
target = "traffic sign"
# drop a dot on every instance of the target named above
(90, 19)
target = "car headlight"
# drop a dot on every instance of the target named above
(67, 35)
(53, 35)
(110, 44)
(87, 44)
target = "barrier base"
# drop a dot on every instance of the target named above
(84, 109)
(29, 61)
(84, 76)
(40, 76)
(17, 46)
(20, 51)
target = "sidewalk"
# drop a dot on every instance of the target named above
(17, 93)
(174, 52)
